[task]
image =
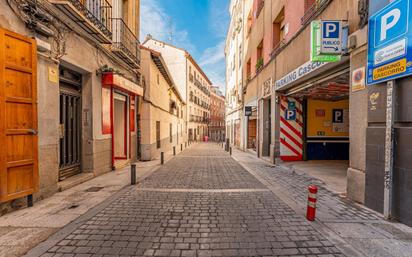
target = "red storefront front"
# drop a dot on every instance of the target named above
(120, 98)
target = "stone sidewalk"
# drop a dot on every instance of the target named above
(362, 228)
(201, 203)
(23, 229)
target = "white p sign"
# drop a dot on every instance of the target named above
(388, 21)
(330, 28)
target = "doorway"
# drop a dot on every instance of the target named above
(267, 128)
(120, 126)
(70, 123)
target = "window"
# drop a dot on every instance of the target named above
(259, 56)
(260, 4)
(157, 134)
(171, 133)
(248, 69)
(278, 30)
(240, 55)
(249, 23)
(309, 4)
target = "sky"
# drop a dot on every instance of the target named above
(199, 26)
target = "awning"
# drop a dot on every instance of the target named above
(115, 80)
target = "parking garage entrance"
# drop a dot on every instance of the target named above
(314, 128)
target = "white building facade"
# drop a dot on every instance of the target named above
(234, 56)
(192, 83)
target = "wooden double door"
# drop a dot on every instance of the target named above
(18, 116)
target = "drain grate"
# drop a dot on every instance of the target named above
(73, 206)
(93, 189)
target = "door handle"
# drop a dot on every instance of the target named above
(33, 132)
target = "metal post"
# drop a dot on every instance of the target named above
(30, 201)
(389, 143)
(162, 158)
(185, 144)
(174, 150)
(230, 150)
(181, 147)
(227, 145)
(133, 174)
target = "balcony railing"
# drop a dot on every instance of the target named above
(125, 43)
(93, 16)
(313, 10)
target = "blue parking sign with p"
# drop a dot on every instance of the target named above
(331, 29)
(290, 114)
(390, 42)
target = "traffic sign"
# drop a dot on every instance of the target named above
(248, 110)
(331, 37)
(290, 114)
(389, 43)
(315, 45)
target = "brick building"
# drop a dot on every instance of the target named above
(217, 122)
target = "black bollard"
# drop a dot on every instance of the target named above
(174, 150)
(133, 174)
(185, 144)
(230, 150)
(181, 147)
(162, 158)
(30, 201)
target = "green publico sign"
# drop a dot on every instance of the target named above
(315, 45)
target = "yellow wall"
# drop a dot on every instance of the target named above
(315, 124)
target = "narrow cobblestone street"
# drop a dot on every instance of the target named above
(201, 203)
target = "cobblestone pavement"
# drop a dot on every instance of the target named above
(330, 205)
(202, 203)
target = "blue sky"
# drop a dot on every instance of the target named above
(199, 26)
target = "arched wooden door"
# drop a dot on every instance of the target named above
(18, 116)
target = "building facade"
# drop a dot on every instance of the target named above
(192, 83)
(217, 124)
(234, 53)
(300, 110)
(163, 111)
(73, 93)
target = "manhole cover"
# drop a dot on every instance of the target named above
(93, 189)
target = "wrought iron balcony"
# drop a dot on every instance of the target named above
(313, 10)
(125, 43)
(93, 16)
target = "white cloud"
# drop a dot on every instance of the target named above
(212, 62)
(213, 55)
(156, 22)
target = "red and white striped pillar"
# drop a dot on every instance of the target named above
(291, 142)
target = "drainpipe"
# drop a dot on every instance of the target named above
(389, 145)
